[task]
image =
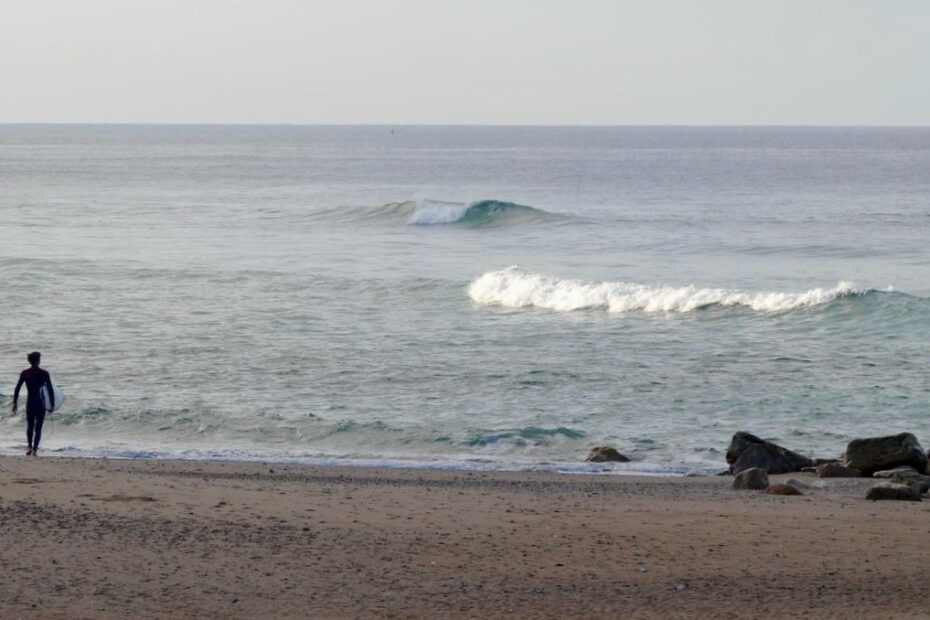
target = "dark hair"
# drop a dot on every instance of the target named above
(34, 358)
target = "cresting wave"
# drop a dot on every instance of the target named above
(439, 212)
(517, 288)
(431, 212)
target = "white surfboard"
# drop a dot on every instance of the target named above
(59, 397)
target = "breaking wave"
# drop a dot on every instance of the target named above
(517, 288)
(439, 212)
(431, 212)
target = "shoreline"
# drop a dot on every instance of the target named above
(631, 468)
(94, 538)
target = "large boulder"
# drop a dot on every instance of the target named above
(763, 456)
(604, 454)
(874, 454)
(746, 450)
(754, 478)
(888, 490)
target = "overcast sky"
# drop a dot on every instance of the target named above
(616, 62)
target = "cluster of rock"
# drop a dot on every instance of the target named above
(899, 459)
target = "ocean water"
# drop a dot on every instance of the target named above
(466, 297)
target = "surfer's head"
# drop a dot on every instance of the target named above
(34, 358)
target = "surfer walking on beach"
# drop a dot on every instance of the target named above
(35, 379)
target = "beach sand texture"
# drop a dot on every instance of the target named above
(96, 538)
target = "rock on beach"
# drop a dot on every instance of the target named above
(783, 489)
(890, 491)
(754, 478)
(837, 470)
(906, 475)
(605, 454)
(874, 454)
(747, 451)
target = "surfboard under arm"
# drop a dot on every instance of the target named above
(59, 397)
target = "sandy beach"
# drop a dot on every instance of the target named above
(96, 538)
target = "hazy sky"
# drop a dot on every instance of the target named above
(466, 61)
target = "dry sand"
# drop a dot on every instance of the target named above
(94, 538)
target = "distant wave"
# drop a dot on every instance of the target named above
(439, 212)
(430, 212)
(517, 288)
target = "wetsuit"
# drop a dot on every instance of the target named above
(35, 378)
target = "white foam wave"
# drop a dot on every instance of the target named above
(517, 288)
(431, 212)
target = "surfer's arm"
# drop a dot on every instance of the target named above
(19, 384)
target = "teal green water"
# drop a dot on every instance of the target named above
(467, 297)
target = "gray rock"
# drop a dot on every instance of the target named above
(837, 470)
(897, 471)
(819, 462)
(746, 450)
(906, 475)
(886, 490)
(874, 454)
(794, 482)
(754, 478)
(763, 456)
(918, 482)
(604, 454)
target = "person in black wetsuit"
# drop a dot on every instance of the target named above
(34, 378)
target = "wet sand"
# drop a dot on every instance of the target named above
(95, 538)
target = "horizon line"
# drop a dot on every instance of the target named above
(471, 125)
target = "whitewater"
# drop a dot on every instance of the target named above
(518, 288)
(486, 298)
